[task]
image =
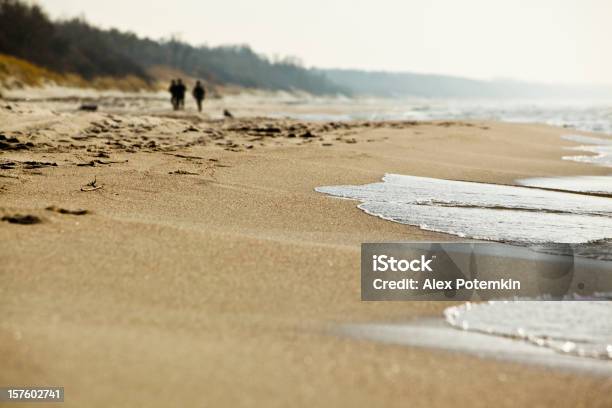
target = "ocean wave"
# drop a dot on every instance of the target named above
(561, 326)
(484, 211)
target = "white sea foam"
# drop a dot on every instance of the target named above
(504, 213)
(484, 211)
(602, 149)
(581, 328)
(601, 185)
(437, 333)
(588, 139)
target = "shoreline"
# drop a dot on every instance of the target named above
(225, 275)
(431, 333)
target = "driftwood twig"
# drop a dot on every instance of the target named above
(91, 186)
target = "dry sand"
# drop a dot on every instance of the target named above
(207, 271)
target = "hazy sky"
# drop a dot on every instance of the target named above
(566, 41)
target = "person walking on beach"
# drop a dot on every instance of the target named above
(180, 93)
(199, 93)
(173, 94)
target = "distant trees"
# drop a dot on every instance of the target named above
(74, 46)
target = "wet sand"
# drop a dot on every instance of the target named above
(207, 270)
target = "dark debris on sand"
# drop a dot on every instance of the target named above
(103, 137)
(260, 129)
(60, 210)
(94, 163)
(28, 164)
(184, 172)
(12, 143)
(23, 219)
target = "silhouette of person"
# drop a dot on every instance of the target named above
(199, 93)
(173, 89)
(180, 93)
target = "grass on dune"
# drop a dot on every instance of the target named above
(19, 73)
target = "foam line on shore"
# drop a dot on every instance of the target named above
(437, 334)
(484, 211)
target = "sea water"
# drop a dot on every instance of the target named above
(598, 185)
(601, 155)
(520, 215)
(587, 115)
(484, 211)
(581, 328)
(601, 149)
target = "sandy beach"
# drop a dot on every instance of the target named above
(206, 271)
